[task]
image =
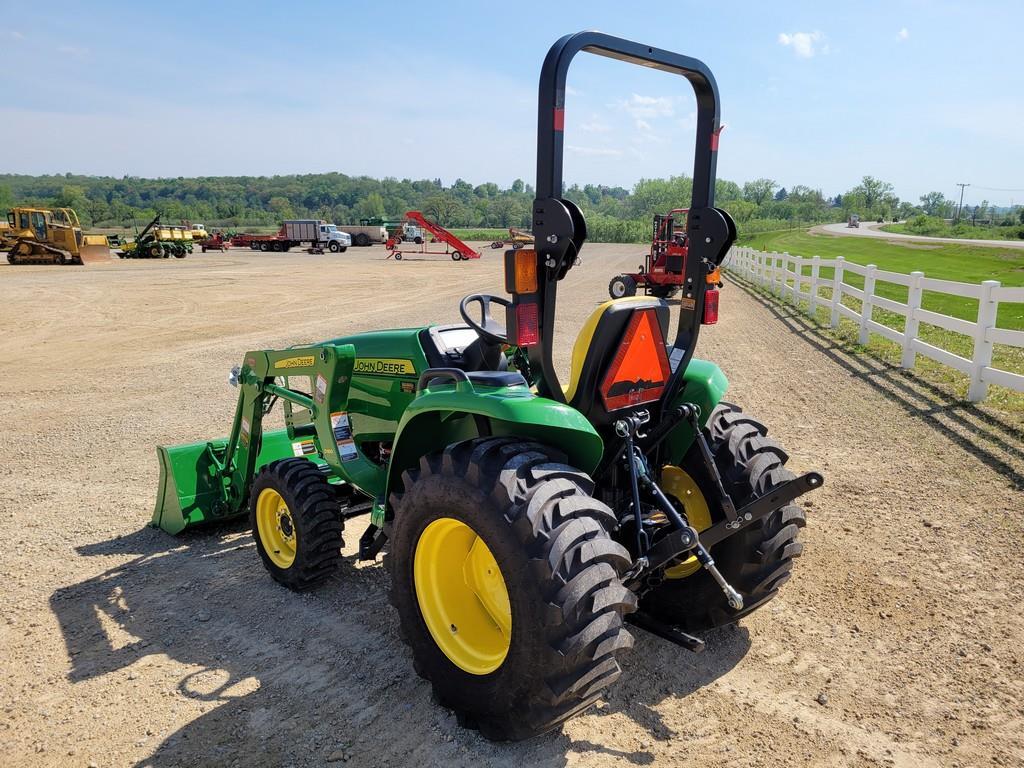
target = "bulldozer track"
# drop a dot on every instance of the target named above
(897, 641)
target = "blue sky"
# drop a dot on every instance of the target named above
(923, 94)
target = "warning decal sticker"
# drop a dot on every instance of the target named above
(342, 428)
(305, 448)
(639, 370)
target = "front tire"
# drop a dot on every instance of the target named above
(296, 522)
(757, 561)
(549, 646)
(622, 286)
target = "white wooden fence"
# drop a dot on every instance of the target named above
(782, 274)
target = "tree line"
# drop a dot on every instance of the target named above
(614, 214)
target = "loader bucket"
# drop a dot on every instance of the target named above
(191, 491)
(94, 250)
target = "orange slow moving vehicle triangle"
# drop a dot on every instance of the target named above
(640, 368)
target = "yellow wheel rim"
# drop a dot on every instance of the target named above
(462, 596)
(678, 484)
(276, 528)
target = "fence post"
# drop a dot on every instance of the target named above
(987, 309)
(812, 305)
(837, 291)
(865, 308)
(775, 271)
(798, 263)
(785, 279)
(911, 326)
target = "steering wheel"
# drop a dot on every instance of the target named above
(488, 329)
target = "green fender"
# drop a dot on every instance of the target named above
(704, 385)
(447, 414)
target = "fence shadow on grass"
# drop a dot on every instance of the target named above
(290, 679)
(996, 442)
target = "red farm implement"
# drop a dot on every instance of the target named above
(453, 246)
(215, 242)
(664, 267)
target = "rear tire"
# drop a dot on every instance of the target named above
(758, 560)
(301, 547)
(418, 240)
(622, 286)
(561, 570)
(456, 256)
(362, 240)
(398, 256)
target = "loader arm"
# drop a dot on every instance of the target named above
(209, 481)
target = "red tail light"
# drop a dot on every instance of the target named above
(527, 330)
(710, 306)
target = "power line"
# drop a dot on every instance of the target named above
(997, 189)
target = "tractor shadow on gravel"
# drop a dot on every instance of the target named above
(291, 680)
(997, 443)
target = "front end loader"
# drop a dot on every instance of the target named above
(526, 524)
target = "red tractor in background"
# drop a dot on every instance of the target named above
(664, 267)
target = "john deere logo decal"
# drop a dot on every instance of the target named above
(385, 366)
(295, 362)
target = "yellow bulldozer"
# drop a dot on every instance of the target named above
(51, 236)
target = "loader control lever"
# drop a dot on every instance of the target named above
(488, 329)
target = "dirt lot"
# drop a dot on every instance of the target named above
(898, 642)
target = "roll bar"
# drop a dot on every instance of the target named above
(558, 225)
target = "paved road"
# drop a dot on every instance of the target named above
(872, 230)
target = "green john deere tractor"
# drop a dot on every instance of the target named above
(524, 523)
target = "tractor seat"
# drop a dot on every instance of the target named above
(459, 346)
(597, 344)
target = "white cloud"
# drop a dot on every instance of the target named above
(903, 34)
(804, 44)
(570, 91)
(72, 50)
(640, 107)
(595, 126)
(593, 151)
(642, 125)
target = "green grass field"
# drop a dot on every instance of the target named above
(960, 263)
(478, 234)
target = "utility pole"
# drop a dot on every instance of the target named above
(961, 206)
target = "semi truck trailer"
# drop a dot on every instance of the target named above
(293, 232)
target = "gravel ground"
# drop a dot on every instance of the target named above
(898, 641)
